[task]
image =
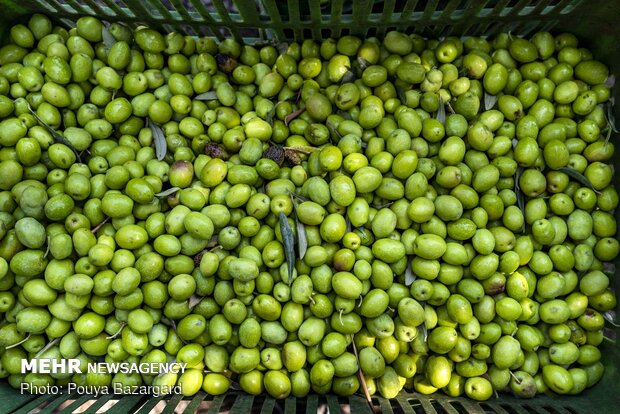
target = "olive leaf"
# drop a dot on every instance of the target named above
(349, 76)
(344, 114)
(161, 146)
(400, 92)
(609, 335)
(302, 239)
(610, 316)
(207, 96)
(609, 268)
(610, 116)
(363, 63)
(173, 324)
(194, 300)
(304, 149)
(519, 193)
(167, 192)
(441, 112)
(610, 81)
(289, 245)
(348, 223)
(234, 385)
(57, 137)
(293, 115)
(489, 101)
(582, 179)
(409, 276)
(282, 48)
(271, 114)
(295, 196)
(333, 129)
(108, 39)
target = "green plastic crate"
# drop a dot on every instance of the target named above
(595, 22)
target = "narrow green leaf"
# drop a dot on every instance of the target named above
(489, 101)
(519, 193)
(167, 192)
(611, 120)
(409, 276)
(441, 112)
(161, 147)
(282, 48)
(363, 63)
(402, 95)
(348, 77)
(333, 129)
(108, 39)
(57, 137)
(207, 96)
(304, 149)
(289, 245)
(302, 239)
(610, 316)
(194, 300)
(582, 179)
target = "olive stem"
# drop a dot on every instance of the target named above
(18, 343)
(293, 115)
(301, 150)
(98, 226)
(46, 347)
(47, 250)
(123, 324)
(361, 375)
(340, 317)
(514, 377)
(311, 299)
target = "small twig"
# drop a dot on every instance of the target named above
(123, 324)
(18, 343)
(293, 115)
(46, 347)
(361, 375)
(47, 250)
(514, 377)
(297, 149)
(98, 226)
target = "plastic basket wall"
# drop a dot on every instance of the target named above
(285, 20)
(596, 22)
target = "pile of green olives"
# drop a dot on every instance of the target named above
(343, 216)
